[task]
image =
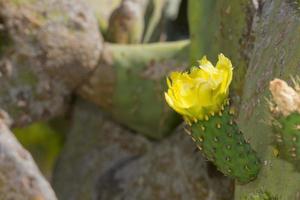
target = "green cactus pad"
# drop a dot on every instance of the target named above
(287, 136)
(221, 142)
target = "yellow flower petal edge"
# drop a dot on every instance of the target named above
(202, 91)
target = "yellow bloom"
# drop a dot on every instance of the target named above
(201, 91)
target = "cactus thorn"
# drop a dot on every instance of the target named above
(296, 81)
(222, 107)
(275, 152)
(218, 125)
(202, 128)
(206, 118)
(231, 111)
(201, 139)
(279, 140)
(227, 102)
(293, 149)
(246, 167)
(187, 131)
(199, 147)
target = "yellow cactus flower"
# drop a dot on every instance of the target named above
(202, 91)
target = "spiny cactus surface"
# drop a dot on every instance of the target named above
(285, 120)
(201, 97)
(287, 135)
(219, 138)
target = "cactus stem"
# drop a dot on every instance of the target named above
(199, 147)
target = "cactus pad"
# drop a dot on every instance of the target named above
(219, 138)
(287, 136)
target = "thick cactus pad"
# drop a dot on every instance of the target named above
(219, 138)
(287, 136)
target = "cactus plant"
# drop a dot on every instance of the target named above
(285, 120)
(224, 144)
(129, 85)
(287, 134)
(259, 43)
(200, 96)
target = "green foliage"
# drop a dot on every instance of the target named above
(220, 140)
(43, 142)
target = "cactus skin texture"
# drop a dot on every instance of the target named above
(287, 135)
(260, 195)
(219, 138)
(129, 85)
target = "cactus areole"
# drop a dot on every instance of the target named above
(201, 97)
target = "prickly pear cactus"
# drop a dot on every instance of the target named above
(263, 42)
(201, 97)
(220, 140)
(287, 135)
(285, 120)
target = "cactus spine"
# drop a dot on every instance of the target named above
(260, 195)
